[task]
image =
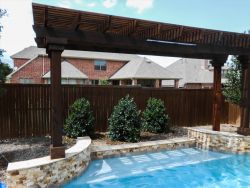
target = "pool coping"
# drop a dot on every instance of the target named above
(107, 151)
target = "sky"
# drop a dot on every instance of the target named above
(228, 15)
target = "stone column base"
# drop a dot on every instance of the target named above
(57, 152)
(244, 131)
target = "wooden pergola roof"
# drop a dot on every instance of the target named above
(79, 30)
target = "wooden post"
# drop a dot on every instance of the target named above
(57, 150)
(122, 83)
(245, 97)
(217, 63)
(157, 83)
(176, 83)
(134, 82)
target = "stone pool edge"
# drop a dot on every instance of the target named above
(43, 171)
(219, 141)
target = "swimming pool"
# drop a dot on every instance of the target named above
(183, 168)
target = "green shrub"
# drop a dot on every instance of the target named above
(103, 82)
(80, 120)
(154, 116)
(125, 121)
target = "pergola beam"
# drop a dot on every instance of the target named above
(96, 41)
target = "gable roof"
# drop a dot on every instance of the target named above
(32, 51)
(143, 68)
(192, 71)
(69, 71)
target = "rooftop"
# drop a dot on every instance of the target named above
(69, 71)
(143, 68)
(32, 51)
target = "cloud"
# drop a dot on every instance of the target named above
(65, 4)
(109, 3)
(140, 5)
(91, 4)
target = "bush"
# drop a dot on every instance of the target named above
(125, 121)
(103, 82)
(80, 120)
(154, 117)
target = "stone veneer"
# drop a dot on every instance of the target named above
(106, 151)
(42, 172)
(219, 141)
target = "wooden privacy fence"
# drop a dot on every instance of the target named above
(25, 109)
(234, 114)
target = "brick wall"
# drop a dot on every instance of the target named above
(87, 67)
(40, 66)
(19, 62)
(34, 70)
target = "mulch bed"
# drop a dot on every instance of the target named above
(25, 149)
(102, 138)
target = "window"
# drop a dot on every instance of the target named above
(94, 82)
(68, 81)
(72, 81)
(82, 82)
(26, 81)
(100, 65)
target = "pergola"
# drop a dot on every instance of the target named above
(58, 29)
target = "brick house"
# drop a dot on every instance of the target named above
(144, 72)
(32, 65)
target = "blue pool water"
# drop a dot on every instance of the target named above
(179, 168)
(2, 185)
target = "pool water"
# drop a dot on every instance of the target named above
(2, 185)
(178, 168)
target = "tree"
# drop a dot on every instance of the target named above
(4, 68)
(3, 12)
(4, 71)
(233, 85)
(232, 88)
